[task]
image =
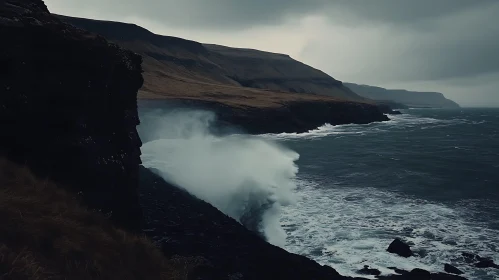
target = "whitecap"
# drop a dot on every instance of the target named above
(354, 226)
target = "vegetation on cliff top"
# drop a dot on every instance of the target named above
(46, 234)
(175, 68)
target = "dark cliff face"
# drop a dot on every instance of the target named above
(295, 117)
(68, 107)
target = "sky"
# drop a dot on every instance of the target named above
(449, 46)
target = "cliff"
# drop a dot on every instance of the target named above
(178, 68)
(258, 91)
(68, 108)
(408, 98)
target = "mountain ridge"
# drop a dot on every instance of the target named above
(180, 68)
(406, 97)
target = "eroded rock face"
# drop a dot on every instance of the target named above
(68, 107)
(295, 117)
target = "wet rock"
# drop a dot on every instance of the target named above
(478, 261)
(400, 248)
(452, 269)
(486, 263)
(419, 274)
(369, 271)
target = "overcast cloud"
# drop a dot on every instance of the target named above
(436, 45)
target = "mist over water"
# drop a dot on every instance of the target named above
(247, 178)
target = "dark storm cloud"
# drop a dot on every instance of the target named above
(451, 40)
(366, 41)
(460, 45)
(236, 14)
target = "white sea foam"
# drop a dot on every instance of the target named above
(403, 121)
(348, 228)
(247, 178)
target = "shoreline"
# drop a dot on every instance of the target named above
(294, 117)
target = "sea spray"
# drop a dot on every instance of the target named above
(246, 177)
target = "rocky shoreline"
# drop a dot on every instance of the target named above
(68, 111)
(185, 225)
(295, 117)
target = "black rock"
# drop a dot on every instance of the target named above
(419, 274)
(472, 258)
(479, 261)
(452, 269)
(369, 271)
(400, 248)
(486, 263)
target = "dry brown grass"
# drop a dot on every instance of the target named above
(169, 80)
(46, 234)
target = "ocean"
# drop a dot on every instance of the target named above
(429, 176)
(341, 194)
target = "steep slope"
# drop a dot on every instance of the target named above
(264, 70)
(46, 234)
(409, 98)
(178, 68)
(68, 107)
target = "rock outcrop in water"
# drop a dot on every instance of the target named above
(400, 248)
(68, 107)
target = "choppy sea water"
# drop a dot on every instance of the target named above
(430, 177)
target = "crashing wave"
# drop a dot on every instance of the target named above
(247, 178)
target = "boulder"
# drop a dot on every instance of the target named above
(452, 269)
(486, 263)
(419, 274)
(400, 248)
